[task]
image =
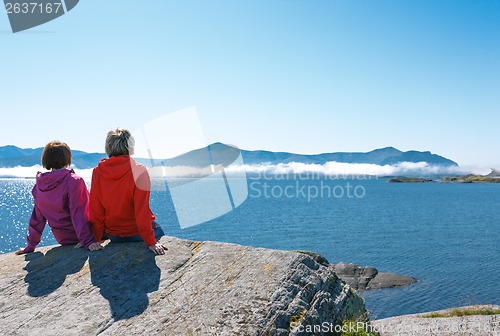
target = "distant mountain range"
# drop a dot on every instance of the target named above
(12, 156)
(382, 156)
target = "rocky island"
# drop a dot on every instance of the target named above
(408, 180)
(493, 177)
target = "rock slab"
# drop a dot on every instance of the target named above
(197, 288)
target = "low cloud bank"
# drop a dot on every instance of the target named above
(24, 172)
(340, 168)
(329, 168)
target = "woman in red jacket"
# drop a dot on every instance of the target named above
(119, 196)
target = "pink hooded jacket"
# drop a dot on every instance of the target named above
(61, 198)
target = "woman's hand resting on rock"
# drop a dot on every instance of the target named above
(158, 248)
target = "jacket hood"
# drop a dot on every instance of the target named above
(115, 167)
(50, 180)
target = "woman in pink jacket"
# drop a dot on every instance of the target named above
(61, 198)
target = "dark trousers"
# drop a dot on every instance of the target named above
(117, 239)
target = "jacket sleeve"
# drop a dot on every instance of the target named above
(35, 229)
(143, 215)
(79, 211)
(97, 211)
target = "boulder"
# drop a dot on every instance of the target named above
(368, 277)
(389, 280)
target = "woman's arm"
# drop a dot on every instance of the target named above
(143, 215)
(35, 230)
(78, 196)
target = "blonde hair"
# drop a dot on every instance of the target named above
(119, 142)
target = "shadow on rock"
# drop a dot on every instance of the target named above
(47, 272)
(125, 274)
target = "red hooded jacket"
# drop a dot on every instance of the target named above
(119, 199)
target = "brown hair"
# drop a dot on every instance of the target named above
(119, 142)
(56, 155)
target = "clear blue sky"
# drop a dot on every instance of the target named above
(297, 75)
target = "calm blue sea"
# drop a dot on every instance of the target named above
(446, 235)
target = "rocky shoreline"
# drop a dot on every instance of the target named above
(478, 324)
(201, 288)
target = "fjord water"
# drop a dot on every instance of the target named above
(445, 235)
